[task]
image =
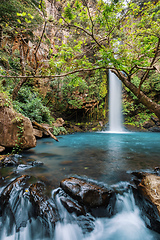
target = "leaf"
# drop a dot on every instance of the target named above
(18, 20)
(19, 14)
(23, 14)
(29, 15)
(27, 21)
(60, 20)
(68, 13)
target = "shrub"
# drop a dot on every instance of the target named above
(31, 106)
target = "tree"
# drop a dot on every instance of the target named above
(122, 38)
(18, 21)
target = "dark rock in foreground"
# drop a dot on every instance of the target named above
(43, 207)
(15, 186)
(147, 196)
(87, 193)
(12, 160)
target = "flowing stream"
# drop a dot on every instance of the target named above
(104, 157)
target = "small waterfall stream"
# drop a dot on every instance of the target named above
(115, 104)
(125, 224)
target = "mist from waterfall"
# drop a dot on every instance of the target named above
(115, 104)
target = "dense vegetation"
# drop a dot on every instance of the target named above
(95, 36)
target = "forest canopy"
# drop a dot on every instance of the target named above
(95, 36)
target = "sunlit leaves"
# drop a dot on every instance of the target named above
(21, 14)
(128, 35)
(68, 13)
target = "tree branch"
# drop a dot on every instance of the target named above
(68, 25)
(62, 75)
(89, 14)
(145, 75)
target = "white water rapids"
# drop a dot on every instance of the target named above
(126, 224)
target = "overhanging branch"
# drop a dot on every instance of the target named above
(62, 75)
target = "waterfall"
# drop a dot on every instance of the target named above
(115, 103)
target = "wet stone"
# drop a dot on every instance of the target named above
(37, 164)
(43, 207)
(71, 205)
(12, 160)
(87, 223)
(87, 193)
(147, 196)
(17, 185)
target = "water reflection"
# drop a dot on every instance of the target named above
(102, 156)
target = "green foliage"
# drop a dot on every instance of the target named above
(30, 105)
(59, 130)
(139, 119)
(20, 137)
(114, 34)
(24, 10)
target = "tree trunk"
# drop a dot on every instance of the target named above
(146, 101)
(23, 80)
(17, 88)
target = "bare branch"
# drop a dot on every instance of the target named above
(62, 75)
(89, 14)
(91, 34)
(115, 26)
(145, 68)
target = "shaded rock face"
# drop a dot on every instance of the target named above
(147, 197)
(155, 129)
(15, 129)
(152, 125)
(87, 193)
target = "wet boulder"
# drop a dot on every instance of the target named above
(14, 204)
(87, 193)
(70, 204)
(147, 196)
(37, 163)
(43, 207)
(11, 160)
(80, 214)
(15, 186)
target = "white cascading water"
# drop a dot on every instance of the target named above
(126, 224)
(115, 104)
